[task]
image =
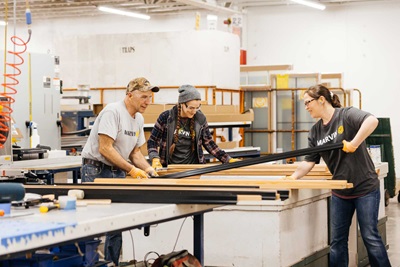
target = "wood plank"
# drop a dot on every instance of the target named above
(320, 170)
(93, 202)
(255, 88)
(246, 68)
(262, 184)
(249, 198)
(263, 166)
(331, 75)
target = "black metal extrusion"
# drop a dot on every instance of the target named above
(140, 194)
(253, 161)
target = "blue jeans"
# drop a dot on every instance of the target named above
(342, 211)
(113, 243)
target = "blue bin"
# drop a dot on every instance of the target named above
(88, 248)
(46, 260)
(91, 255)
(67, 260)
(37, 260)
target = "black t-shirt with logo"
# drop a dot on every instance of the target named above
(183, 153)
(357, 167)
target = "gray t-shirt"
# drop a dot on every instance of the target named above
(357, 167)
(116, 122)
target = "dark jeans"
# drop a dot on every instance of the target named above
(342, 211)
(113, 243)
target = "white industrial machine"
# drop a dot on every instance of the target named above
(35, 104)
(33, 96)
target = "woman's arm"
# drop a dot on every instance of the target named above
(303, 168)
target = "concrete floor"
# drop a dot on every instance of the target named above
(393, 231)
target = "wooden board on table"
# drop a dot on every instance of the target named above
(262, 184)
(319, 170)
(94, 201)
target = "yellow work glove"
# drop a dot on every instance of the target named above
(288, 177)
(348, 147)
(151, 172)
(234, 160)
(138, 173)
(156, 164)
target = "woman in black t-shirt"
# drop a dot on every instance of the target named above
(350, 126)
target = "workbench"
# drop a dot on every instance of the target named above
(27, 230)
(52, 165)
(254, 233)
(287, 232)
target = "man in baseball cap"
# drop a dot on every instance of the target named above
(141, 84)
(113, 147)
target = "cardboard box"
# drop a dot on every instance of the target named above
(227, 109)
(240, 117)
(97, 108)
(228, 115)
(143, 148)
(209, 109)
(155, 108)
(150, 117)
(228, 145)
(169, 106)
(61, 177)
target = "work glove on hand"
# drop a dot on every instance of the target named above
(151, 172)
(138, 173)
(156, 164)
(288, 177)
(234, 160)
(348, 147)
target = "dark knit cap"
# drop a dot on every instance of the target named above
(188, 93)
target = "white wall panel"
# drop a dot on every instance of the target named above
(166, 58)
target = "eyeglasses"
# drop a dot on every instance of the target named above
(192, 108)
(306, 103)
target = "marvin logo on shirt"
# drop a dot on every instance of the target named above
(131, 133)
(327, 139)
(182, 132)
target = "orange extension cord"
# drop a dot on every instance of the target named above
(11, 73)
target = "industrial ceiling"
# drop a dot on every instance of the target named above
(51, 9)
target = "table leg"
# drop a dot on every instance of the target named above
(198, 237)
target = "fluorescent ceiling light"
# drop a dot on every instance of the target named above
(123, 13)
(3, 23)
(310, 4)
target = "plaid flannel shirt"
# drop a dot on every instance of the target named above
(162, 137)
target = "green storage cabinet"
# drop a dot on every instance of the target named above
(382, 136)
